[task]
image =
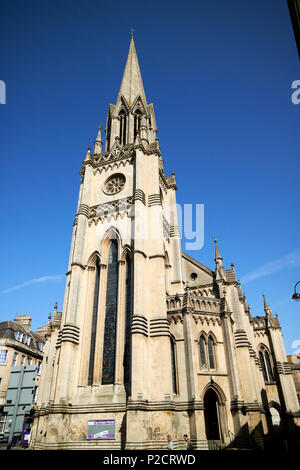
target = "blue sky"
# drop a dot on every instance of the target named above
(219, 75)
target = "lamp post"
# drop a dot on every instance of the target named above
(296, 295)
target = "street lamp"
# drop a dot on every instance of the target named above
(296, 295)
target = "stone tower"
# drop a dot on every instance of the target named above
(149, 339)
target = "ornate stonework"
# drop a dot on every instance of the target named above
(149, 337)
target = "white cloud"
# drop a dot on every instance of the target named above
(289, 261)
(57, 277)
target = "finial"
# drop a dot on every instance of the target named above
(98, 142)
(131, 32)
(218, 257)
(267, 309)
(88, 154)
(55, 306)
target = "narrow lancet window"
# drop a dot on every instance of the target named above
(269, 367)
(173, 365)
(109, 346)
(202, 347)
(262, 363)
(108, 132)
(210, 345)
(128, 311)
(123, 127)
(94, 324)
(137, 122)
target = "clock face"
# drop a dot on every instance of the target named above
(114, 184)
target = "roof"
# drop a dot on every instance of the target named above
(9, 328)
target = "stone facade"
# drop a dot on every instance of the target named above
(148, 336)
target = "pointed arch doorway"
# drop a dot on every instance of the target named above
(212, 415)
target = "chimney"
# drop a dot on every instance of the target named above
(24, 321)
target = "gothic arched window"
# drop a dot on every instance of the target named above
(128, 312)
(137, 122)
(263, 366)
(265, 362)
(202, 347)
(173, 365)
(207, 352)
(211, 356)
(94, 324)
(269, 367)
(109, 343)
(123, 126)
(108, 132)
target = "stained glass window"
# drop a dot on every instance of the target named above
(211, 353)
(94, 325)
(271, 378)
(128, 308)
(173, 365)
(262, 363)
(202, 352)
(109, 346)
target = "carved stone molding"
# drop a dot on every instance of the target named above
(139, 195)
(70, 333)
(83, 210)
(159, 327)
(154, 200)
(283, 368)
(139, 325)
(174, 231)
(241, 339)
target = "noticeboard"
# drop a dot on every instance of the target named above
(101, 429)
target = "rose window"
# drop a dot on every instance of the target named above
(114, 184)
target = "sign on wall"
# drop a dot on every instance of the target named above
(101, 429)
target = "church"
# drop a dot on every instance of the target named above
(150, 342)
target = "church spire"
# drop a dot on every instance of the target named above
(132, 84)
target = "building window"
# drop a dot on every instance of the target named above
(14, 362)
(34, 394)
(94, 324)
(173, 365)
(137, 122)
(123, 127)
(22, 360)
(29, 361)
(207, 352)
(38, 371)
(128, 311)
(211, 356)
(2, 423)
(202, 346)
(19, 336)
(266, 366)
(41, 346)
(27, 339)
(3, 356)
(109, 346)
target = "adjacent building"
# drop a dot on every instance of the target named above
(150, 341)
(18, 346)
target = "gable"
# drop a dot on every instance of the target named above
(192, 267)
